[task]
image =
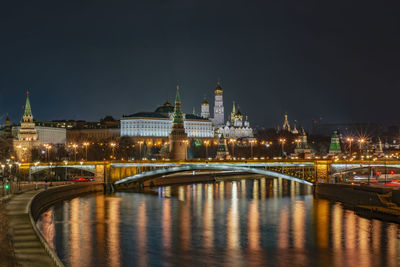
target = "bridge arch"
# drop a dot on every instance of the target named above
(39, 168)
(144, 176)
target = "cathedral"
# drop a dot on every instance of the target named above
(286, 126)
(235, 127)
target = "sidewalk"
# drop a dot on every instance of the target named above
(27, 247)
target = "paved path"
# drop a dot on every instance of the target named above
(28, 249)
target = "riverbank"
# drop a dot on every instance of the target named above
(378, 202)
(28, 245)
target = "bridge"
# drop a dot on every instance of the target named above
(122, 172)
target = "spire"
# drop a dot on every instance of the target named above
(177, 97)
(177, 116)
(28, 110)
(234, 108)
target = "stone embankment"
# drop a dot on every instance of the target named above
(29, 246)
(379, 202)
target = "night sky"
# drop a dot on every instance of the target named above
(339, 60)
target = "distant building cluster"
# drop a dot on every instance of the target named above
(169, 128)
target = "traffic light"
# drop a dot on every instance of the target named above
(391, 172)
(7, 186)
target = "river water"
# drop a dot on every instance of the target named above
(260, 222)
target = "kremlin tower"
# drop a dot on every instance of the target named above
(205, 109)
(178, 138)
(27, 137)
(334, 147)
(219, 120)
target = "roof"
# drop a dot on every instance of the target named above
(165, 109)
(147, 115)
(194, 117)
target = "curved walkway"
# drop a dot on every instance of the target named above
(29, 251)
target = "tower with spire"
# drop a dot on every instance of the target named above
(302, 147)
(334, 147)
(218, 106)
(205, 109)
(222, 149)
(178, 139)
(27, 137)
(286, 125)
(233, 113)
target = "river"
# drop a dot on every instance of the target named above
(260, 222)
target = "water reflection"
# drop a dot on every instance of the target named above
(247, 222)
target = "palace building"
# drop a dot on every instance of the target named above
(159, 124)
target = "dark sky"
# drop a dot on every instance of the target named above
(86, 59)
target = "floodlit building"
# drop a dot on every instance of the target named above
(159, 124)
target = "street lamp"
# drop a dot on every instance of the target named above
(206, 143)
(251, 147)
(113, 145)
(140, 142)
(75, 146)
(350, 140)
(232, 141)
(361, 141)
(86, 144)
(282, 141)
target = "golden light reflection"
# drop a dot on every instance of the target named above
(47, 227)
(166, 224)
(233, 220)
(322, 223)
(100, 227)
(392, 245)
(376, 237)
(181, 193)
(208, 218)
(142, 234)
(350, 231)
(299, 226)
(75, 233)
(254, 220)
(113, 238)
(263, 188)
(337, 217)
(363, 241)
(243, 188)
(283, 229)
(185, 219)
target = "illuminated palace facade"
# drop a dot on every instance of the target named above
(159, 124)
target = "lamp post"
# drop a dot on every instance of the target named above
(232, 141)
(251, 147)
(206, 143)
(66, 169)
(140, 149)
(86, 144)
(386, 157)
(350, 140)
(361, 141)
(75, 146)
(282, 141)
(113, 145)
